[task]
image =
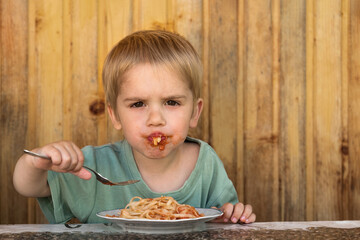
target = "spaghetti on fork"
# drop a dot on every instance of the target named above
(161, 208)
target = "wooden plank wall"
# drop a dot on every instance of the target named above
(281, 88)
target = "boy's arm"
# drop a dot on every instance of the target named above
(28, 180)
(30, 175)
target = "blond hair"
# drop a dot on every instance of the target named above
(156, 47)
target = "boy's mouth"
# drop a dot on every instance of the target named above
(158, 140)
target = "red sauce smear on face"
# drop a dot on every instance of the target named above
(158, 140)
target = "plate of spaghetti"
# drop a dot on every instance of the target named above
(162, 213)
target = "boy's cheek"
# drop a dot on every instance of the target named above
(177, 139)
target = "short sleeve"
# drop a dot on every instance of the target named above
(52, 207)
(221, 190)
(70, 195)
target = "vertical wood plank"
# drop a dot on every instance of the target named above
(223, 82)
(275, 81)
(188, 22)
(240, 102)
(115, 22)
(258, 119)
(48, 70)
(309, 131)
(155, 14)
(13, 103)
(293, 84)
(45, 59)
(31, 136)
(81, 111)
(354, 106)
(346, 190)
(327, 105)
(205, 89)
(135, 15)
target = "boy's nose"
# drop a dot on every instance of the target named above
(155, 117)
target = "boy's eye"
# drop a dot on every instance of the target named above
(172, 103)
(137, 105)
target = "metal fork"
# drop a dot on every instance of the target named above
(98, 176)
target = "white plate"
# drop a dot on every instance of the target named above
(161, 226)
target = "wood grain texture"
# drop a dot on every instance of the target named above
(48, 73)
(353, 149)
(292, 121)
(46, 78)
(114, 23)
(345, 188)
(81, 111)
(14, 104)
(223, 82)
(281, 89)
(189, 23)
(156, 14)
(309, 113)
(34, 214)
(258, 121)
(327, 106)
(205, 89)
(240, 102)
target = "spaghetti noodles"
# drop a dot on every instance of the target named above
(161, 208)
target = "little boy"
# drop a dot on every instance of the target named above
(151, 81)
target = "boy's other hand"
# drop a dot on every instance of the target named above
(65, 157)
(238, 213)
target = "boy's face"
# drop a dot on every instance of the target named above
(155, 109)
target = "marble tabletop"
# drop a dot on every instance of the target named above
(257, 230)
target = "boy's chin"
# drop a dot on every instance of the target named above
(156, 153)
(153, 152)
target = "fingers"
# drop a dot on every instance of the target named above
(251, 219)
(247, 215)
(236, 213)
(227, 209)
(76, 160)
(65, 157)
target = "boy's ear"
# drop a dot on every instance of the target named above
(198, 107)
(114, 119)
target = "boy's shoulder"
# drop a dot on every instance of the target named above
(113, 153)
(109, 147)
(204, 146)
(110, 151)
(195, 140)
(207, 154)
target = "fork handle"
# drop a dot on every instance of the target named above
(49, 158)
(36, 154)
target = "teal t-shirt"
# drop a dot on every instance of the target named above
(207, 186)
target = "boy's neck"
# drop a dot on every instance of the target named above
(170, 173)
(157, 165)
